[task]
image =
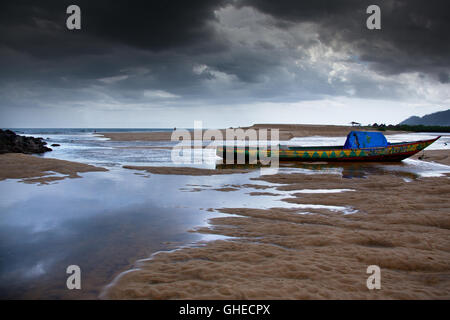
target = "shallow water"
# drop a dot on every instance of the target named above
(408, 168)
(106, 221)
(89, 147)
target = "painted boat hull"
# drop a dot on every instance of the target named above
(392, 153)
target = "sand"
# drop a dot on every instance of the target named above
(137, 136)
(437, 156)
(33, 169)
(286, 132)
(279, 253)
(289, 131)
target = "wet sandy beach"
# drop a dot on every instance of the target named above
(33, 169)
(286, 132)
(308, 232)
(281, 253)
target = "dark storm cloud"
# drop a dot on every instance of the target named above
(415, 34)
(116, 36)
(136, 52)
(444, 77)
(153, 25)
(414, 37)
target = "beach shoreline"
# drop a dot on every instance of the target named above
(32, 169)
(286, 132)
(279, 253)
(436, 156)
(397, 221)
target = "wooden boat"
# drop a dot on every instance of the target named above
(353, 150)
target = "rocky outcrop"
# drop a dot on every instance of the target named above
(11, 142)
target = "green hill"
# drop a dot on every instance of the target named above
(441, 118)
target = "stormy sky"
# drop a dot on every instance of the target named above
(227, 63)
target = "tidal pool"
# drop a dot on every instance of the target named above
(104, 222)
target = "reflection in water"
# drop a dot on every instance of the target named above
(408, 169)
(106, 221)
(103, 223)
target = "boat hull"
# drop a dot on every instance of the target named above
(392, 153)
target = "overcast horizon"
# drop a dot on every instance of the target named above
(154, 64)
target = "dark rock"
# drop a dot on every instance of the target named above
(11, 142)
(55, 145)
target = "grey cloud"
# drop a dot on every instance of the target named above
(444, 77)
(414, 34)
(251, 50)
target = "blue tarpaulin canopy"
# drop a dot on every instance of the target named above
(363, 139)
